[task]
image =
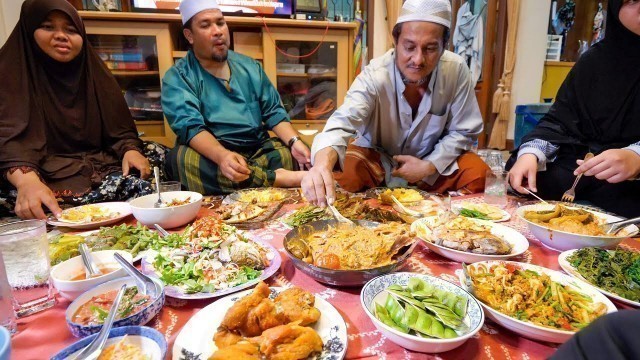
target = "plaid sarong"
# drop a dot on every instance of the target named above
(199, 174)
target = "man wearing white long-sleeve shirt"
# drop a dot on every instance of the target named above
(413, 114)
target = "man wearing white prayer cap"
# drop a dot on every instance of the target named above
(221, 105)
(413, 113)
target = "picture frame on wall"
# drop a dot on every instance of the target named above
(103, 5)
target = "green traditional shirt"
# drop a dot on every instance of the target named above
(193, 100)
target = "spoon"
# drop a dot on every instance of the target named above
(93, 350)
(337, 215)
(162, 231)
(406, 210)
(144, 284)
(156, 173)
(614, 227)
(90, 266)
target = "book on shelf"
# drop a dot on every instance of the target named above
(126, 65)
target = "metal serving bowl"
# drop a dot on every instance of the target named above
(341, 277)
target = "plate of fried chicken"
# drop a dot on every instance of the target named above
(264, 323)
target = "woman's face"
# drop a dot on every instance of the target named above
(630, 15)
(58, 37)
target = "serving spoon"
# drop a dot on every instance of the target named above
(156, 173)
(90, 266)
(93, 350)
(143, 282)
(614, 227)
(337, 215)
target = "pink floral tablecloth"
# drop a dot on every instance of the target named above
(41, 336)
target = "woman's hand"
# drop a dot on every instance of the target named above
(32, 194)
(134, 159)
(302, 154)
(525, 167)
(614, 166)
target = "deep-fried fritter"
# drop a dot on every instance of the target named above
(224, 338)
(297, 305)
(236, 317)
(288, 342)
(243, 350)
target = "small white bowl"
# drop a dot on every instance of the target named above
(167, 217)
(62, 273)
(373, 291)
(563, 241)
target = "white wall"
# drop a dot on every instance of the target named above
(9, 15)
(380, 29)
(530, 55)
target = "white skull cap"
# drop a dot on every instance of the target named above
(188, 8)
(435, 11)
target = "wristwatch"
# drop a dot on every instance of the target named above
(292, 141)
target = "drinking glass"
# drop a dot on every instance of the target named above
(495, 188)
(7, 315)
(26, 258)
(494, 160)
(166, 186)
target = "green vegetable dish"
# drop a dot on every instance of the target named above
(616, 271)
(423, 310)
(132, 238)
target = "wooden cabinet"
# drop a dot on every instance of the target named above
(310, 93)
(138, 55)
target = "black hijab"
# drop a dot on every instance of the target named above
(67, 120)
(598, 105)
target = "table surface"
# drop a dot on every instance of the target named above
(42, 335)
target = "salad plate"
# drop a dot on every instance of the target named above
(195, 340)
(572, 271)
(82, 217)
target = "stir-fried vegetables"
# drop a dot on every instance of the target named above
(529, 296)
(617, 271)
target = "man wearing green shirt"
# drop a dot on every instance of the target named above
(221, 104)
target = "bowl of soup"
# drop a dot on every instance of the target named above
(69, 277)
(86, 314)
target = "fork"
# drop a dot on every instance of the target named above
(570, 194)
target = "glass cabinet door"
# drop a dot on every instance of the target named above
(309, 71)
(133, 60)
(138, 55)
(308, 86)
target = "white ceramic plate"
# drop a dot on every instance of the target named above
(505, 215)
(178, 293)
(562, 240)
(122, 208)
(528, 329)
(519, 244)
(195, 340)
(566, 266)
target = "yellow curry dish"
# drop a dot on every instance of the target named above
(405, 196)
(571, 220)
(345, 247)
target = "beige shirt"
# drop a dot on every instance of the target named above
(376, 113)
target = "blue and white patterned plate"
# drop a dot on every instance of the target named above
(195, 340)
(373, 292)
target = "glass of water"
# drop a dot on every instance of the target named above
(495, 188)
(7, 315)
(166, 186)
(25, 250)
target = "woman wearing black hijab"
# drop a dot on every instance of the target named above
(597, 110)
(65, 129)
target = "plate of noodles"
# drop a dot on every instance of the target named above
(533, 301)
(339, 254)
(564, 226)
(92, 216)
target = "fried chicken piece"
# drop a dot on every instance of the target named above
(236, 317)
(243, 350)
(224, 338)
(288, 342)
(263, 316)
(297, 305)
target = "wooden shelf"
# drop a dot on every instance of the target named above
(305, 75)
(231, 20)
(560, 63)
(178, 54)
(149, 122)
(134, 73)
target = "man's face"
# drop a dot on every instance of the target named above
(419, 48)
(209, 35)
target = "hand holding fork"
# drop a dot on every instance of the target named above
(570, 195)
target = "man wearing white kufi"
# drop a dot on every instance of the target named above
(413, 113)
(221, 104)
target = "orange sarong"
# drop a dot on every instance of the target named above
(363, 170)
